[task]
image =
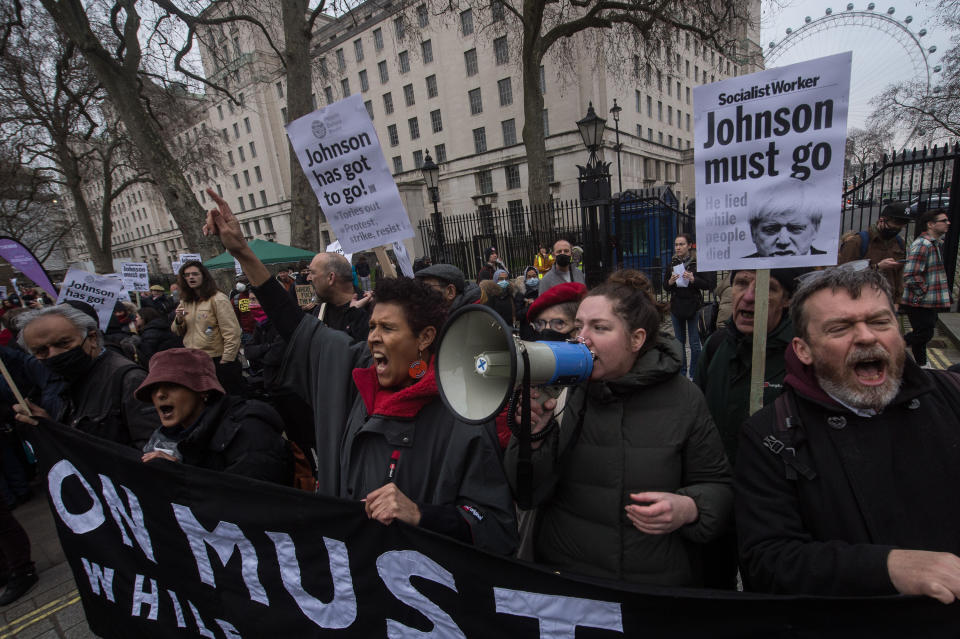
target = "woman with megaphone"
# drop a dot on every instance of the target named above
(383, 434)
(629, 475)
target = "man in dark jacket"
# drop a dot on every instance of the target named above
(847, 484)
(99, 389)
(884, 247)
(332, 278)
(451, 283)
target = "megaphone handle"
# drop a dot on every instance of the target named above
(524, 461)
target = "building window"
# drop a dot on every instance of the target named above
(650, 134)
(243, 204)
(440, 152)
(436, 121)
(637, 97)
(512, 174)
(426, 50)
(345, 87)
(382, 68)
(323, 68)
(263, 202)
(543, 80)
(414, 128)
(399, 28)
(404, 62)
(476, 102)
(253, 149)
(470, 60)
(466, 22)
(509, 132)
(496, 10)
(364, 83)
(688, 122)
(283, 114)
(392, 133)
(688, 95)
(550, 175)
(546, 123)
(669, 115)
(220, 107)
(328, 94)
(358, 49)
(243, 156)
(378, 39)
(417, 159)
(246, 177)
(408, 95)
(505, 89)
(369, 106)
(485, 182)
(313, 100)
(500, 51)
(230, 158)
(423, 17)
(236, 131)
(397, 164)
(257, 172)
(432, 91)
(388, 103)
(341, 60)
(480, 140)
(659, 111)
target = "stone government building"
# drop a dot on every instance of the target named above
(437, 83)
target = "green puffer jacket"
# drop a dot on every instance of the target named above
(647, 431)
(723, 374)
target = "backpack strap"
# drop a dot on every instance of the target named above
(864, 243)
(790, 432)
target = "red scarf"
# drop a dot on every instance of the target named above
(387, 402)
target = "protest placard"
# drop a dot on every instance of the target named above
(334, 247)
(403, 259)
(769, 166)
(99, 291)
(135, 276)
(23, 259)
(304, 294)
(341, 156)
(237, 268)
(16, 289)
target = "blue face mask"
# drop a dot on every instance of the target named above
(503, 283)
(533, 281)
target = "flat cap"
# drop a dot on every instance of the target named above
(446, 273)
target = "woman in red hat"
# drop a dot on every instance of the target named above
(202, 426)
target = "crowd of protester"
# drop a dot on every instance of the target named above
(841, 485)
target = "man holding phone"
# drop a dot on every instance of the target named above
(882, 244)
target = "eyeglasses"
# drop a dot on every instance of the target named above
(947, 220)
(556, 324)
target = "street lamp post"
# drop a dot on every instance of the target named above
(431, 175)
(594, 182)
(615, 111)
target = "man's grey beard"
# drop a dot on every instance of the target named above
(841, 383)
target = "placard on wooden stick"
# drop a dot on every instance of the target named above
(758, 364)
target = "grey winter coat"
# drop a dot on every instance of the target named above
(650, 430)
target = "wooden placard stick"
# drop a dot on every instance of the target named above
(13, 386)
(759, 362)
(385, 262)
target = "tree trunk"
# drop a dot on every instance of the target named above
(102, 260)
(304, 210)
(123, 86)
(538, 190)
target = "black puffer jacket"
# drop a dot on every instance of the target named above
(650, 430)
(685, 300)
(233, 435)
(155, 337)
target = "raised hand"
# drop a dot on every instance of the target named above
(221, 221)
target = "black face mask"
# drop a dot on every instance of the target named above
(70, 364)
(550, 335)
(888, 233)
(563, 260)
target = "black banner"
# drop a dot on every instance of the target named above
(166, 550)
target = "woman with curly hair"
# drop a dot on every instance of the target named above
(383, 434)
(629, 475)
(204, 319)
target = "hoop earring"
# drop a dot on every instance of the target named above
(418, 367)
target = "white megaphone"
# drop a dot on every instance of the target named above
(480, 363)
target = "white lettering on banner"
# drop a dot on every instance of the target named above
(151, 598)
(341, 611)
(559, 616)
(223, 539)
(229, 631)
(177, 609)
(99, 578)
(202, 630)
(79, 523)
(340, 154)
(133, 519)
(395, 569)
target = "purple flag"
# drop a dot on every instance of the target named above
(22, 259)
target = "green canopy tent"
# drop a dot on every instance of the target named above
(268, 252)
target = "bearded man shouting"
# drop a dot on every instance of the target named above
(847, 484)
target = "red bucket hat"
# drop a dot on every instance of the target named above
(188, 367)
(566, 292)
